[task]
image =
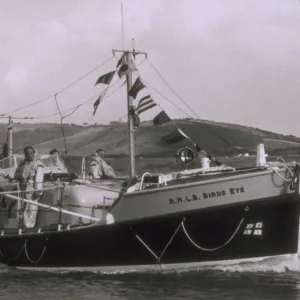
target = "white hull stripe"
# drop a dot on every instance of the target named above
(162, 267)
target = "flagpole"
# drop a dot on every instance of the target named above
(123, 38)
(10, 140)
(130, 119)
(130, 106)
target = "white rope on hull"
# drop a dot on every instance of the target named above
(216, 248)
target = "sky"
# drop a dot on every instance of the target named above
(232, 61)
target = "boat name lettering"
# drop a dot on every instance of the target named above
(178, 200)
(239, 190)
(206, 195)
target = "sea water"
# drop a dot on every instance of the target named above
(271, 279)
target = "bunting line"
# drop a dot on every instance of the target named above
(136, 88)
(106, 78)
(125, 67)
(144, 104)
(161, 118)
(98, 101)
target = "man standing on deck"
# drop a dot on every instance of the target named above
(29, 174)
(98, 167)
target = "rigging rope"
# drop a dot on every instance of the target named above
(174, 121)
(181, 225)
(181, 99)
(169, 86)
(61, 125)
(60, 91)
(62, 118)
(158, 258)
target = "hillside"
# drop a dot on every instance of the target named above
(214, 137)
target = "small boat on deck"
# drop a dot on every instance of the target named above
(189, 218)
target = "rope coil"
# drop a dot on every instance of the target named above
(283, 178)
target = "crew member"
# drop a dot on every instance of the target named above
(98, 167)
(202, 154)
(29, 174)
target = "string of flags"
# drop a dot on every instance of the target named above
(106, 78)
(123, 68)
(145, 103)
(98, 101)
(136, 88)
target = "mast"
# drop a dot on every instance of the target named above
(130, 108)
(10, 140)
(131, 136)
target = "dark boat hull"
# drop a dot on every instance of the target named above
(261, 228)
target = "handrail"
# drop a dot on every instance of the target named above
(29, 191)
(67, 212)
(142, 179)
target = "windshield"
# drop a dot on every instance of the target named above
(53, 163)
(73, 164)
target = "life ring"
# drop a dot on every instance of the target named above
(185, 155)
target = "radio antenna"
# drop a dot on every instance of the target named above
(123, 38)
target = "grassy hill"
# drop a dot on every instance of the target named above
(218, 138)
